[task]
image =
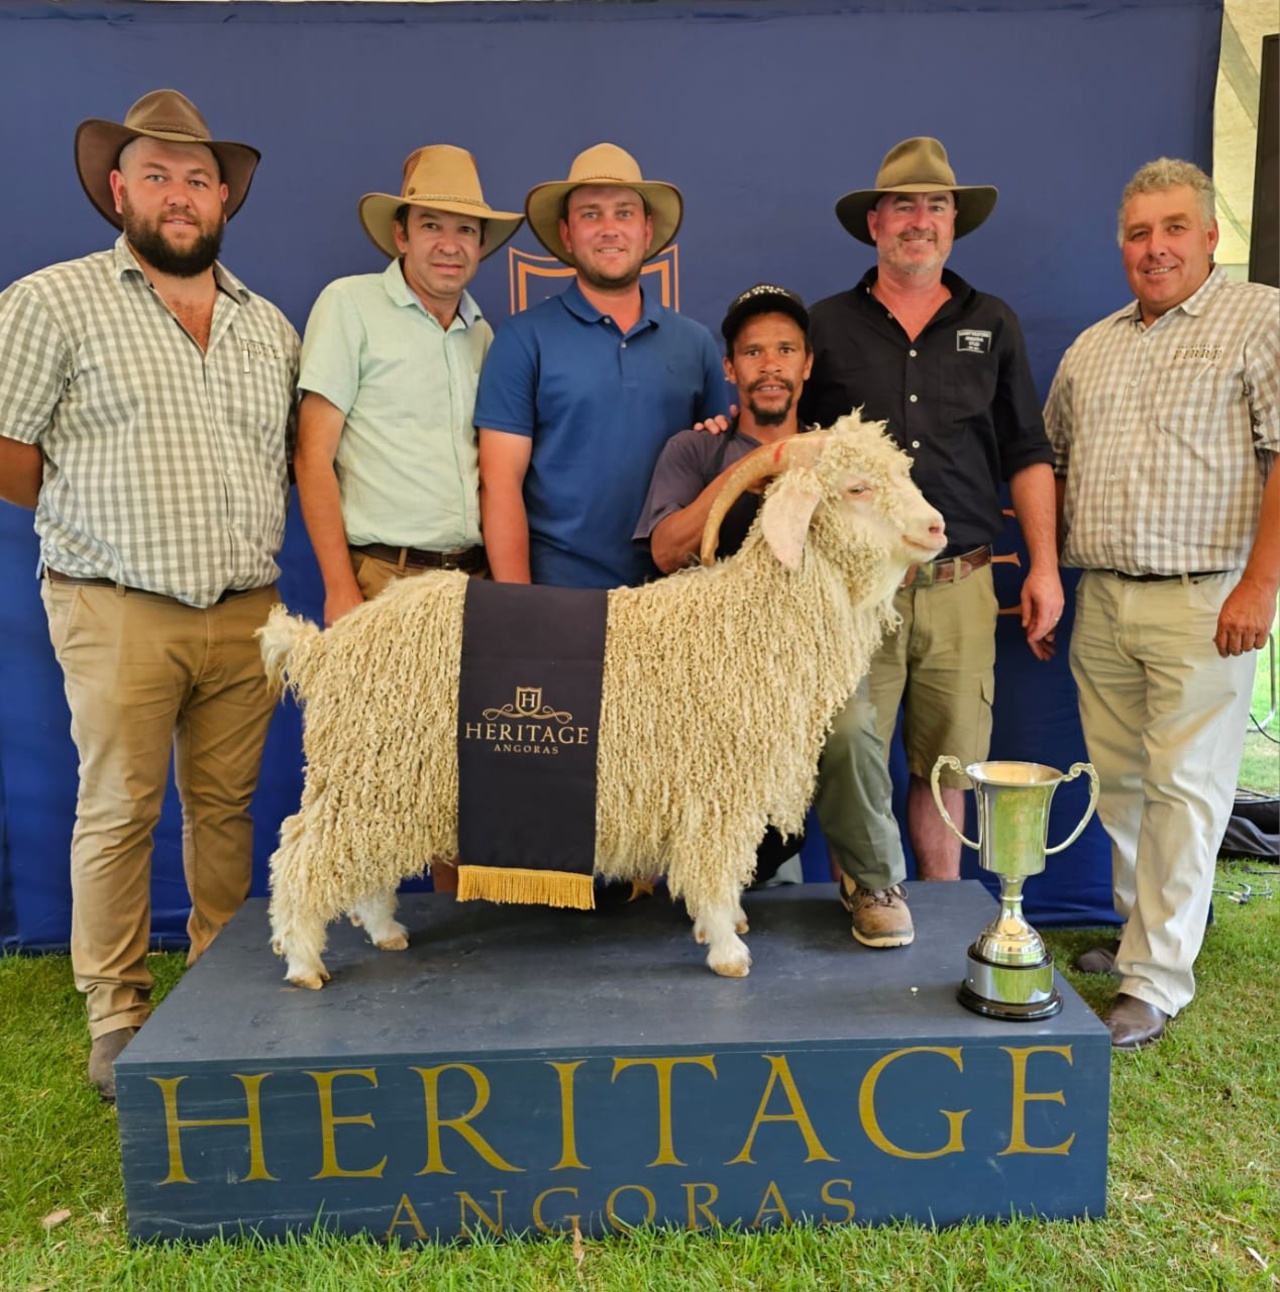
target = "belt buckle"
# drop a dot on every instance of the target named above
(926, 575)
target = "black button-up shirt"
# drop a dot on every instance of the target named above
(959, 399)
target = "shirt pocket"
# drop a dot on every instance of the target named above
(1191, 402)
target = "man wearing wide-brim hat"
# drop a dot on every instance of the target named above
(946, 367)
(580, 393)
(145, 399)
(387, 460)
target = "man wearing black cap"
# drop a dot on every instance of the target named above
(145, 402)
(768, 358)
(914, 345)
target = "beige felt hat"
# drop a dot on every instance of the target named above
(916, 165)
(162, 114)
(444, 178)
(609, 165)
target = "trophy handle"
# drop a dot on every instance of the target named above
(1076, 769)
(946, 760)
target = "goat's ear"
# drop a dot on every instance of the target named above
(787, 513)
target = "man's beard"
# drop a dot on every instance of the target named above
(149, 241)
(623, 280)
(772, 416)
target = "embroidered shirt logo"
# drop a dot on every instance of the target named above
(260, 349)
(973, 340)
(1210, 352)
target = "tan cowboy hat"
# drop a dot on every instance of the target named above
(162, 114)
(917, 165)
(613, 166)
(444, 178)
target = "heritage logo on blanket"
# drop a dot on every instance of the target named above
(973, 340)
(526, 726)
(528, 721)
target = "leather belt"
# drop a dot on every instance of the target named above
(1163, 578)
(950, 569)
(57, 576)
(470, 560)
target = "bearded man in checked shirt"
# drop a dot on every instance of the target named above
(1165, 418)
(146, 399)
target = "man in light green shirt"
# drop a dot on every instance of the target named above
(386, 460)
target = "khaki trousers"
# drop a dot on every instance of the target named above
(854, 798)
(940, 667)
(1164, 719)
(373, 574)
(148, 678)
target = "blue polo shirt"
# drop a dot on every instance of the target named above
(599, 406)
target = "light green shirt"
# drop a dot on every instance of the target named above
(407, 462)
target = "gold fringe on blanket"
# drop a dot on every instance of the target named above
(526, 887)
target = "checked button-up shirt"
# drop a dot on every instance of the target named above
(1170, 431)
(165, 466)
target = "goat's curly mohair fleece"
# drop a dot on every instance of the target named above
(720, 686)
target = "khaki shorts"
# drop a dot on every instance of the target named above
(940, 667)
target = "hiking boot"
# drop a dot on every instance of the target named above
(880, 915)
(102, 1054)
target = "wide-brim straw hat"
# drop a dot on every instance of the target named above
(443, 178)
(613, 167)
(166, 115)
(916, 165)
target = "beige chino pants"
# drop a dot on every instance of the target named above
(1164, 719)
(146, 679)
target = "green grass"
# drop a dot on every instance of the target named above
(1193, 1191)
(1260, 766)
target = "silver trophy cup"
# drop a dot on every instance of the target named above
(1010, 972)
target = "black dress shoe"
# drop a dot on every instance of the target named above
(1098, 959)
(1133, 1023)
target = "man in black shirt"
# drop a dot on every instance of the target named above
(946, 367)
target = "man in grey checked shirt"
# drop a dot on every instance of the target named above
(1165, 418)
(146, 398)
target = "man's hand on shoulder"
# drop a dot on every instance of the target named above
(718, 424)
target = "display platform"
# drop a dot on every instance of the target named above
(520, 1069)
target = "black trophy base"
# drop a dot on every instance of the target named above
(1011, 993)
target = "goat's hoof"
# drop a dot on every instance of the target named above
(733, 968)
(355, 920)
(394, 941)
(312, 981)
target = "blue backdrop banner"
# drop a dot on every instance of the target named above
(762, 111)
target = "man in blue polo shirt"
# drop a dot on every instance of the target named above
(580, 393)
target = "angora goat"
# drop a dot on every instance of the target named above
(720, 685)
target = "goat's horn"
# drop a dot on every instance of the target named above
(760, 464)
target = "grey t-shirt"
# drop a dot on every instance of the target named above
(688, 463)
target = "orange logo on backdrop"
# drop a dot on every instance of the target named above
(535, 278)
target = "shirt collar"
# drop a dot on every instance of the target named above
(577, 304)
(127, 263)
(1195, 304)
(402, 294)
(959, 289)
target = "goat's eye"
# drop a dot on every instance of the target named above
(855, 490)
